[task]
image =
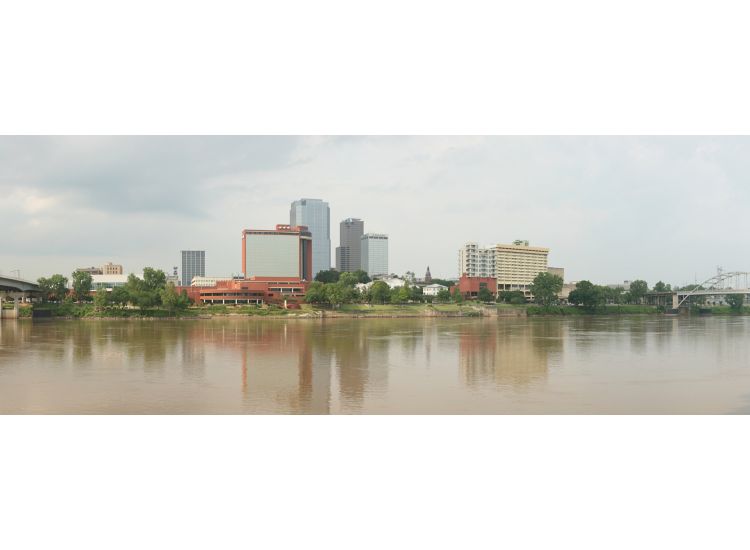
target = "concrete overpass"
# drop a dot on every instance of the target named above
(15, 290)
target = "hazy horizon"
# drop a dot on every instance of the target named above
(609, 208)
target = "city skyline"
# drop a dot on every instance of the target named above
(138, 201)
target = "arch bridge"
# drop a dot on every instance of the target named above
(722, 284)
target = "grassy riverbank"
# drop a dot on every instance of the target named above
(89, 311)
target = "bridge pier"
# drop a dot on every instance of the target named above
(675, 301)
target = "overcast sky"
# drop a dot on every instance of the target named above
(609, 208)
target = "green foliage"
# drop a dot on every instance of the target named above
(102, 299)
(458, 298)
(416, 294)
(587, 294)
(146, 293)
(379, 293)
(443, 282)
(661, 287)
(171, 300)
(348, 279)
(735, 301)
(81, 285)
(119, 296)
(443, 295)
(154, 280)
(546, 287)
(484, 295)
(511, 297)
(638, 290)
(316, 293)
(328, 276)
(401, 294)
(53, 288)
(362, 276)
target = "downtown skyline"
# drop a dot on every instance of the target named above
(609, 208)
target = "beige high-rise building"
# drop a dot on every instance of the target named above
(111, 269)
(513, 265)
(517, 264)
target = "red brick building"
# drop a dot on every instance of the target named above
(277, 268)
(469, 286)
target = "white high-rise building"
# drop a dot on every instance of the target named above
(316, 215)
(193, 265)
(513, 265)
(475, 261)
(374, 251)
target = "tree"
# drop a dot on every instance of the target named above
(443, 295)
(638, 290)
(416, 294)
(511, 297)
(484, 295)
(362, 276)
(348, 279)
(53, 288)
(172, 300)
(316, 293)
(119, 296)
(101, 299)
(81, 285)
(457, 296)
(379, 292)
(661, 287)
(546, 287)
(154, 280)
(327, 276)
(146, 292)
(586, 294)
(335, 294)
(735, 301)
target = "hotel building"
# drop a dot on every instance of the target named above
(514, 266)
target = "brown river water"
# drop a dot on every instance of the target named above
(628, 364)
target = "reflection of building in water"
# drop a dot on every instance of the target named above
(281, 371)
(510, 354)
(361, 357)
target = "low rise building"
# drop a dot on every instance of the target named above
(469, 287)
(433, 290)
(112, 269)
(109, 282)
(208, 281)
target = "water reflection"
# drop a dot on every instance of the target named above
(512, 354)
(627, 364)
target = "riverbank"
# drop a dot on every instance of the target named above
(89, 311)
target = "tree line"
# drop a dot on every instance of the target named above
(149, 292)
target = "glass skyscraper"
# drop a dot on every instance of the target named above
(375, 253)
(193, 265)
(316, 215)
(348, 254)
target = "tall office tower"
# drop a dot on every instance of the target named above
(349, 253)
(374, 254)
(316, 216)
(193, 265)
(282, 253)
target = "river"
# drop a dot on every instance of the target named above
(628, 364)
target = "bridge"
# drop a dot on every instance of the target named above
(15, 289)
(722, 284)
